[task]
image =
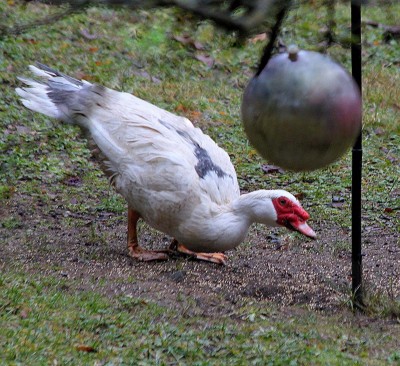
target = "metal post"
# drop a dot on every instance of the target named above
(356, 257)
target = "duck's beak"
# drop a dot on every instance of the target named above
(303, 228)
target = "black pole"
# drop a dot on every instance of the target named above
(356, 257)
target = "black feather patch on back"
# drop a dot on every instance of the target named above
(205, 164)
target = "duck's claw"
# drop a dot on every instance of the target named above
(219, 258)
(144, 255)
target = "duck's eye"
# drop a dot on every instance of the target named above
(282, 201)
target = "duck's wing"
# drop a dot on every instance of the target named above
(162, 152)
(167, 169)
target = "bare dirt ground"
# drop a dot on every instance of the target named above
(89, 251)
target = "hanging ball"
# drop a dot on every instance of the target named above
(303, 111)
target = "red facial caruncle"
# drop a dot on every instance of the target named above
(291, 215)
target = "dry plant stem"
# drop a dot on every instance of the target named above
(274, 35)
(21, 28)
(223, 13)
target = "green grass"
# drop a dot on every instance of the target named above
(42, 323)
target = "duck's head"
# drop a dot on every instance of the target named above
(276, 208)
(290, 214)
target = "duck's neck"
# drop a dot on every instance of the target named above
(247, 209)
(228, 228)
(257, 207)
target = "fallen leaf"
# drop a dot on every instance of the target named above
(87, 34)
(180, 108)
(268, 168)
(82, 76)
(194, 115)
(258, 38)
(184, 39)
(299, 196)
(93, 49)
(187, 40)
(274, 238)
(280, 246)
(23, 130)
(155, 80)
(388, 210)
(84, 348)
(30, 40)
(142, 73)
(337, 199)
(73, 182)
(392, 159)
(146, 75)
(198, 46)
(24, 313)
(337, 204)
(204, 58)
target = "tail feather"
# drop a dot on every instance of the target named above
(36, 98)
(77, 102)
(53, 95)
(46, 72)
(41, 72)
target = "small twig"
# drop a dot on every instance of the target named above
(330, 34)
(390, 31)
(21, 28)
(254, 14)
(371, 23)
(274, 35)
(222, 19)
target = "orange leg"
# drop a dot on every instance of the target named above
(135, 251)
(219, 258)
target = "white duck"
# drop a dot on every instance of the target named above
(172, 175)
